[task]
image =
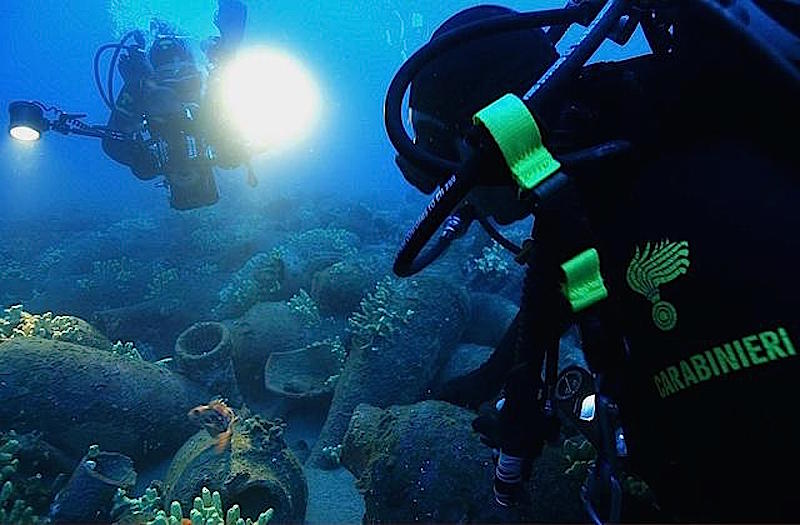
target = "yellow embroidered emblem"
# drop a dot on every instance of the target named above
(659, 263)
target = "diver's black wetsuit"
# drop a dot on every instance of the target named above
(707, 389)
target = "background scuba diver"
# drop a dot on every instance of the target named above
(166, 105)
(702, 357)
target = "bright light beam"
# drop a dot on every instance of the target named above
(24, 133)
(269, 99)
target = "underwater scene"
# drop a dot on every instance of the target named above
(398, 261)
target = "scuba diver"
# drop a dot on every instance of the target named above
(663, 189)
(166, 109)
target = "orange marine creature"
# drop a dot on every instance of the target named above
(217, 418)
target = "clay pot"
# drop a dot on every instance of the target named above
(203, 354)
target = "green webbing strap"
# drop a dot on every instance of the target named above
(584, 285)
(513, 128)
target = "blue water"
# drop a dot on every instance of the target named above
(353, 49)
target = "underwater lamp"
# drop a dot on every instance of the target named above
(26, 121)
(269, 98)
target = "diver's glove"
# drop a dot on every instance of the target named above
(230, 19)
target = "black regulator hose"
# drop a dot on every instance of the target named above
(445, 200)
(97, 79)
(106, 93)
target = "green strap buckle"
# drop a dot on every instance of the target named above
(514, 129)
(584, 285)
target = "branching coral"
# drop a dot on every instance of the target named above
(125, 350)
(135, 511)
(493, 262)
(332, 456)
(50, 258)
(207, 510)
(306, 308)
(339, 353)
(13, 509)
(378, 317)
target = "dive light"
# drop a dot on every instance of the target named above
(26, 121)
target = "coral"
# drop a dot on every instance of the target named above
(12, 270)
(50, 258)
(205, 269)
(337, 241)
(377, 319)
(9, 321)
(284, 270)
(401, 336)
(305, 254)
(161, 281)
(332, 456)
(206, 510)
(304, 306)
(16, 322)
(125, 350)
(258, 280)
(8, 463)
(135, 511)
(13, 509)
(109, 273)
(493, 262)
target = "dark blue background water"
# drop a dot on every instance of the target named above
(352, 47)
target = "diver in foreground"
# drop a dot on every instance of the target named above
(664, 190)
